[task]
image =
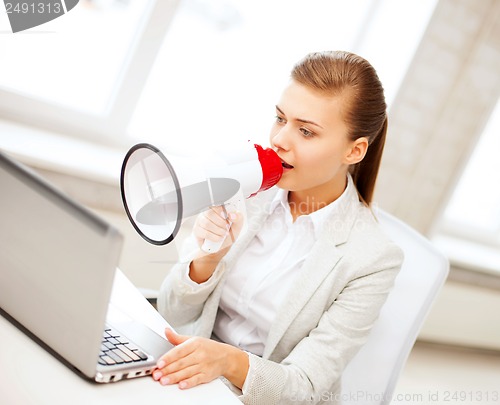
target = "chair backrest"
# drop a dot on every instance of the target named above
(371, 376)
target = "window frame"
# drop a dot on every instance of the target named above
(109, 127)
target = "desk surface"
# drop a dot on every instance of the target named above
(29, 375)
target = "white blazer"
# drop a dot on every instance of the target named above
(326, 316)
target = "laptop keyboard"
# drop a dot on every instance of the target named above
(116, 349)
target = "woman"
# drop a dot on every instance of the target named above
(289, 303)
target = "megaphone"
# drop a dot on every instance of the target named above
(158, 192)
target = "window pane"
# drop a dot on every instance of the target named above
(224, 62)
(74, 60)
(475, 204)
(391, 38)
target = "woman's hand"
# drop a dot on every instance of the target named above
(212, 225)
(196, 360)
(215, 224)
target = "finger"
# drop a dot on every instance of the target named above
(181, 375)
(209, 231)
(193, 381)
(218, 216)
(207, 227)
(236, 219)
(179, 352)
(225, 214)
(177, 366)
(175, 338)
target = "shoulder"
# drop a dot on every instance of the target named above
(368, 243)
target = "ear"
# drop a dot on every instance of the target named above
(357, 151)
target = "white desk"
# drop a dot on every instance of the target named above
(29, 375)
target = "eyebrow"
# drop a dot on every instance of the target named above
(301, 119)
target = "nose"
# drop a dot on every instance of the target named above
(280, 138)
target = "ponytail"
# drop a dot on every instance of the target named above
(364, 173)
(346, 75)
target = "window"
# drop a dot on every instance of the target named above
(223, 62)
(473, 212)
(118, 71)
(81, 74)
(78, 63)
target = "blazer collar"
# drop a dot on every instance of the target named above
(321, 261)
(339, 223)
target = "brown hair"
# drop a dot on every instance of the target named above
(339, 73)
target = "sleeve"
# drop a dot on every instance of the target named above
(181, 300)
(311, 372)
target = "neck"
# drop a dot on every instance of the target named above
(305, 202)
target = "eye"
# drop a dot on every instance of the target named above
(306, 132)
(280, 120)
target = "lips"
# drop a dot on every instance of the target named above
(286, 165)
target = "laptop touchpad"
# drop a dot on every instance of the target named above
(144, 337)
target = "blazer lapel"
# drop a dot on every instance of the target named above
(322, 260)
(315, 269)
(257, 211)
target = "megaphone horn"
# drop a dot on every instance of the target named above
(157, 197)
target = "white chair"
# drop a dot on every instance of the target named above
(371, 376)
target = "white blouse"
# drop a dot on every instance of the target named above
(258, 282)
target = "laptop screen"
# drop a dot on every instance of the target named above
(57, 263)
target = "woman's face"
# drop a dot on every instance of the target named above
(310, 137)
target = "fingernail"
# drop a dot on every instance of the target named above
(161, 364)
(183, 384)
(157, 375)
(164, 380)
(232, 216)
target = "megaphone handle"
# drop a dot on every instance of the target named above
(210, 246)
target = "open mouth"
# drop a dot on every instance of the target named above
(286, 165)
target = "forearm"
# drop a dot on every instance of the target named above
(237, 365)
(177, 307)
(202, 267)
(181, 300)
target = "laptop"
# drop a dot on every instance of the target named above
(57, 266)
